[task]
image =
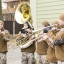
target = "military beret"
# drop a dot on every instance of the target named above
(45, 23)
(55, 22)
(61, 17)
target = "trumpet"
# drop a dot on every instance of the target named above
(27, 41)
(41, 29)
(22, 15)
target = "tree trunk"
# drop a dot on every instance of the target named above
(0, 10)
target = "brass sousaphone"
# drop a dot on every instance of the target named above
(22, 15)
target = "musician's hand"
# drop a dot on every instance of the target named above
(28, 30)
(0, 31)
(1, 35)
(54, 28)
(24, 35)
(32, 37)
(44, 36)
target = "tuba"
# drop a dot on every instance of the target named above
(23, 15)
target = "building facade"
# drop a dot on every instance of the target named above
(47, 10)
(8, 15)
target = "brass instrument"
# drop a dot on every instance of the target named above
(22, 42)
(41, 29)
(27, 41)
(23, 13)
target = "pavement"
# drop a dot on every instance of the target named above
(13, 55)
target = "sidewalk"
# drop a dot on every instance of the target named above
(14, 56)
(16, 62)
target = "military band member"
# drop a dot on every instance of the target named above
(4, 38)
(27, 53)
(59, 48)
(57, 39)
(51, 58)
(49, 37)
(41, 46)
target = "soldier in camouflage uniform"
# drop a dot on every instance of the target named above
(59, 48)
(48, 38)
(4, 38)
(41, 46)
(57, 42)
(27, 53)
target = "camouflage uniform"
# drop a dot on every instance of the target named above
(59, 48)
(41, 47)
(40, 59)
(4, 38)
(27, 58)
(52, 63)
(59, 62)
(2, 58)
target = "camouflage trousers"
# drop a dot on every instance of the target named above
(40, 59)
(27, 58)
(2, 58)
(59, 62)
(53, 63)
